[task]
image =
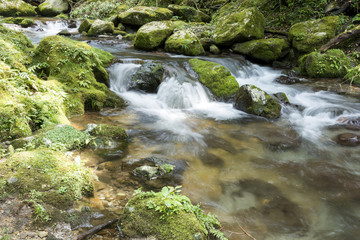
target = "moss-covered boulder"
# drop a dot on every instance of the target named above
(16, 8)
(153, 35)
(24, 22)
(353, 76)
(101, 27)
(310, 35)
(46, 179)
(141, 15)
(51, 8)
(253, 100)
(188, 13)
(108, 131)
(147, 78)
(184, 42)
(85, 25)
(215, 77)
(242, 26)
(266, 50)
(166, 215)
(331, 64)
(156, 3)
(81, 68)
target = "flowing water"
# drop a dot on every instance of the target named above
(281, 179)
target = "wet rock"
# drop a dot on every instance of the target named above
(189, 14)
(85, 25)
(253, 100)
(51, 8)
(281, 98)
(210, 159)
(214, 49)
(242, 26)
(72, 24)
(350, 123)
(288, 80)
(348, 139)
(184, 42)
(141, 15)
(309, 35)
(64, 32)
(153, 172)
(101, 27)
(147, 78)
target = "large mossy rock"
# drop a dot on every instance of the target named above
(266, 50)
(51, 8)
(156, 3)
(81, 68)
(101, 27)
(189, 13)
(147, 78)
(242, 26)
(215, 77)
(49, 177)
(353, 76)
(141, 15)
(253, 100)
(184, 42)
(85, 25)
(153, 35)
(331, 64)
(310, 35)
(16, 8)
(165, 215)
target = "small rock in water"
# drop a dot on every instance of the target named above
(64, 33)
(287, 80)
(348, 139)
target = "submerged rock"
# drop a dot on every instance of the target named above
(148, 77)
(331, 64)
(99, 27)
(184, 42)
(141, 15)
(266, 50)
(253, 100)
(215, 77)
(242, 26)
(16, 8)
(348, 139)
(51, 8)
(310, 35)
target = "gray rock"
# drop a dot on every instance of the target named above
(148, 77)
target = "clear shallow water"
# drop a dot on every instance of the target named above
(282, 179)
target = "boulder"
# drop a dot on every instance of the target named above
(141, 15)
(253, 100)
(184, 42)
(153, 35)
(16, 8)
(147, 78)
(51, 8)
(101, 27)
(189, 14)
(266, 50)
(85, 25)
(310, 35)
(64, 32)
(107, 137)
(215, 77)
(348, 139)
(24, 22)
(331, 64)
(214, 49)
(242, 26)
(353, 76)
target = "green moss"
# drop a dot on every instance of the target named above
(215, 77)
(98, 9)
(267, 50)
(353, 76)
(188, 13)
(184, 42)
(51, 8)
(333, 63)
(101, 27)
(310, 35)
(85, 25)
(239, 27)
(16, 8)
(103, 130)
(139, 16)
(46, 177)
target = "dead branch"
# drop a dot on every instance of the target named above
(341, 38)
(96, 229)
(247, 234)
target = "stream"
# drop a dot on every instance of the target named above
(281, 179)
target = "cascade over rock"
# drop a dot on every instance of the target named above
(141, 15)
(52, 8)
(253, 100)
(147, 78)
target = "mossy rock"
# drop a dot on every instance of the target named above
(24, 22)
(215, 77)
(353, 76)
(333, 63)
(141, 15)
(310, 35)
(238, 27)
(153, 35)
(266, 50)
(107, 131)
(253, 100)
(51, 8)
(155, 3)
(16, 8)
(184, 42)
(147, 78)
(44, 176)
(101, 27)
(189, 14)
(85, 25)
(165, 215)
(81, 68)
